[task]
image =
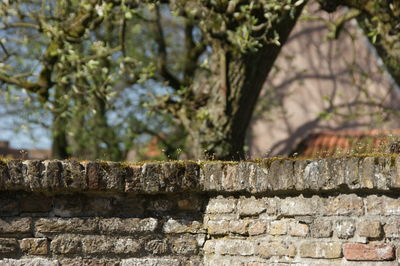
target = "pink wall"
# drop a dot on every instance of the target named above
(315, 78)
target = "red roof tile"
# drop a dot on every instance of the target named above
(346, 142)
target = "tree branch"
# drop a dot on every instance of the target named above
(7, 54)
(29, 86)
(193, 52)
(162, 52)
(122, 36)
(20, 25)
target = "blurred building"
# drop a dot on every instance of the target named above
(319, 84)
(34, 154)
(348, 142)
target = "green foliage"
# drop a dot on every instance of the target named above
(102, 69)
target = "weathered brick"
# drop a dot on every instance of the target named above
(127, 225)
(390, 206)
(345, 228)
(368, 252)
(373, 205)
(150, 177)
(320, 250)
(191, 180)
(87, 262)
(352, 177)
(299, 206)
(219, 227)
(250, 206)
(313, 175)
(212, 175)
(247, 174)
(52, 176)
(9, 206)
(221, 205)
(278, 227)
(298, 170)
(321, 228)
(8, 245)
(257, 227)
(105, 176)
(370, 229)
(238, 226)
(132, 179)
(35, 203)
(35, 246)
(71, 225)
(395, 178)
(66, 244)
(332, 173)
(231, 179)
(267, 248)
(73, 175)
(69, 206)
(192, 203)
(14, 180)
(234, 247)
(29, 262)
(225, 261)
(184, 245)
(157, 246)
(384, 172)
(120, 245)
(280, 176)
(131, 206)
(344, 205)
(272, 206)
(258, 177)
(34, 175)
(4, 174)
(15, 227)
(113, 245)
(392, 228)
(98, 206)
(160, 205)
(172, 176)
(298, 229)
(209, 246)
(367, 173)
(150, 262)
(201, 239)
(173, 226)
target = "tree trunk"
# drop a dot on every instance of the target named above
(59, 139)
(59, 133)
(217, 128)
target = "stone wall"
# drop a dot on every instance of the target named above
(342, 211)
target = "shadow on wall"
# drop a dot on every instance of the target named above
(319, 84)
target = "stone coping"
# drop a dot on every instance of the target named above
(381, 173)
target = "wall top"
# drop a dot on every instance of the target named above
(274, 176)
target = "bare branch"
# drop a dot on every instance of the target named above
(29, 86)
(5, 52)
(20, 25)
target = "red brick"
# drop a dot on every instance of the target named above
(374, 252)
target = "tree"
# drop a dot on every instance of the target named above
(240, 40)
(198, 64)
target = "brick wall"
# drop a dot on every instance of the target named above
(275, 212)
